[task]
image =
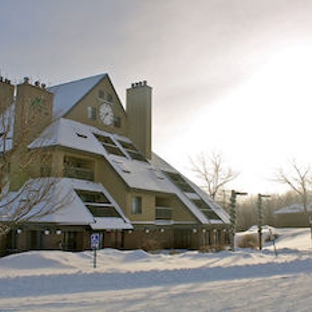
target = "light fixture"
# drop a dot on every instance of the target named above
(58, 232)
(46, 232)
(19, 231)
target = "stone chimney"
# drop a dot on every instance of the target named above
(139, 112)
(6, 94)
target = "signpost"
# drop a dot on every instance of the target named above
(260, 196)
(233, 215)
(95, 244)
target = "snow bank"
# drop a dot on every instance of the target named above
(138, 281)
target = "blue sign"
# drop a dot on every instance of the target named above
(95, 240)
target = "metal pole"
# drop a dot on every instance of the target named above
(260, 221)
(94, 258)
(260, 218)
(233, 215)
(233, 218)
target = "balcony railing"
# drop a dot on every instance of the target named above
(78, 173)
(163, 213)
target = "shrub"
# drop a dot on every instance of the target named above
(248, 241)
(151, 245)
(174, 252)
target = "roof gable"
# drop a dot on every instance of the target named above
(67, 95)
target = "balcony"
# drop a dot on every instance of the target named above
(163, 213)
(78, 173)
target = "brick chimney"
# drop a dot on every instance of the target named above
(139, 112)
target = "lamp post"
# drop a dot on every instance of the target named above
(234, 194)
(260, 196)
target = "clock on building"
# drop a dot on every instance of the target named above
(106, 114)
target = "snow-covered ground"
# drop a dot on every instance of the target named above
(244, 280)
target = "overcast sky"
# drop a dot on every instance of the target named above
(232, 76)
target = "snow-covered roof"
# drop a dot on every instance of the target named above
(70, 209)
(69, 133)
(146, 175)
(110, 224)
(294, 208)
(66, 95)
(224, 216)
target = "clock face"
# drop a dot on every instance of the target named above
(106, 114)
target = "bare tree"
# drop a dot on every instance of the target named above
(211, 169)
(33, 196)
(298, 178)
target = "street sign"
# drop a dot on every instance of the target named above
(95, 240)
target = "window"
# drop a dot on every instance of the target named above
(92, 197)
(101, 94)
(179, 182)
(133, 152)
(117, 122)
(136, 205)
(206, 210)
(109, 97)
(98, 204)
(92, 113)
(109, 145)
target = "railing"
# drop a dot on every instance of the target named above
(78, 173)
(163, 213)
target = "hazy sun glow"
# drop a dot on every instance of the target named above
(261, 124)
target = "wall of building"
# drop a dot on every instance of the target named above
(80, 111)
(6, 94)
(292, 219)
(33, 113)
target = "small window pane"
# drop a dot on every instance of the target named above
(92, 113)
(136, 205)
(117, 122)
(101, 94)
(109, 97)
